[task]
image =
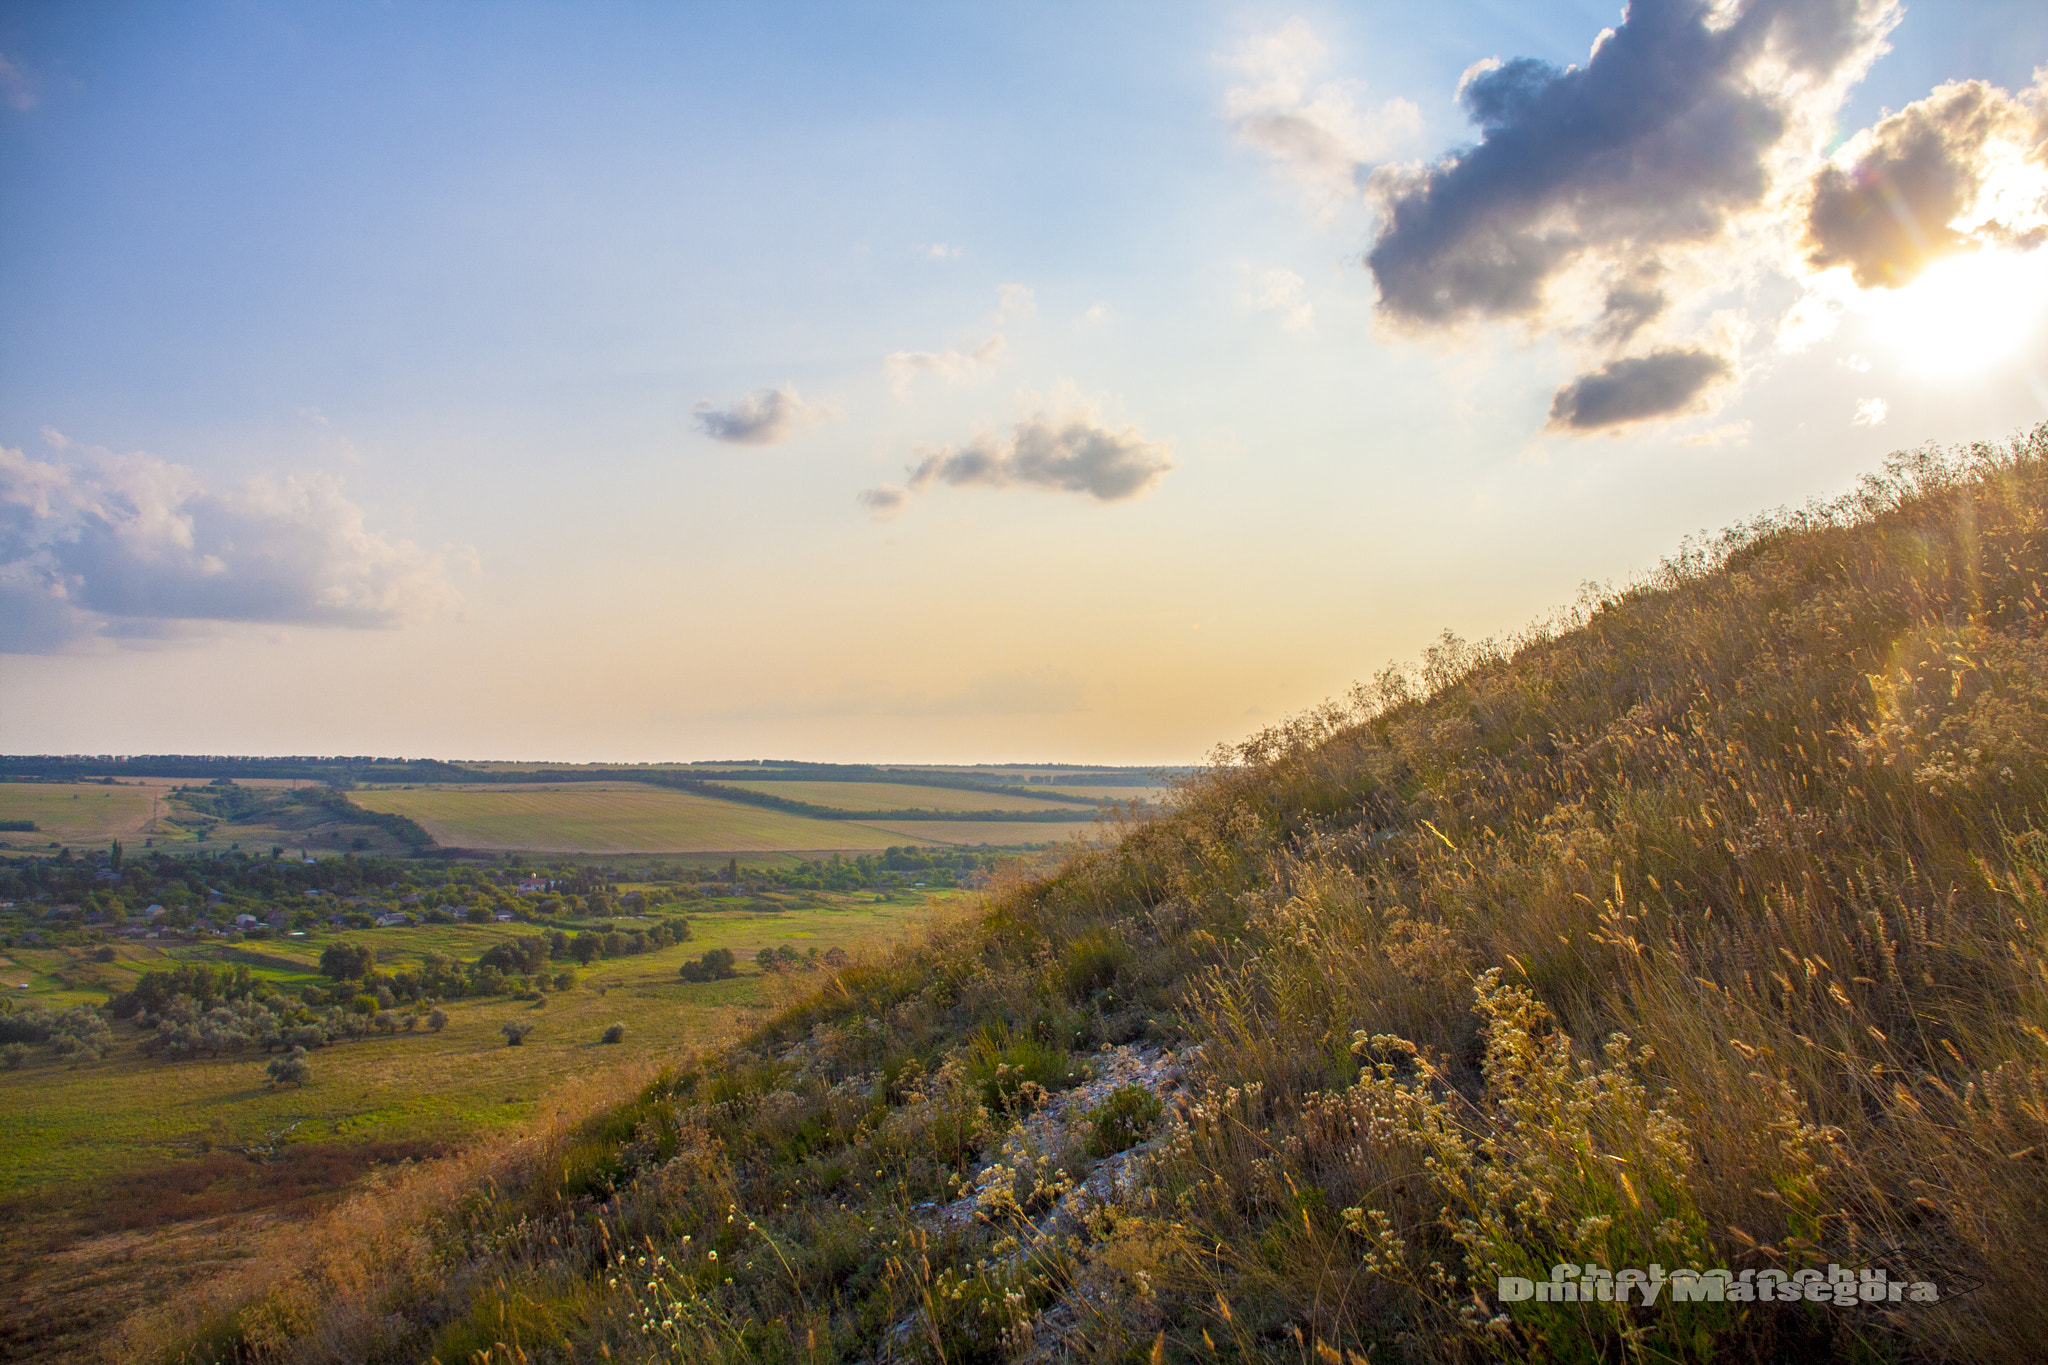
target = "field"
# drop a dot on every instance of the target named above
(60, 1124)
(76, 812)
(612, 817)
(994, 833)
(872, 796)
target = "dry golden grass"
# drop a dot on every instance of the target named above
(1706, 926)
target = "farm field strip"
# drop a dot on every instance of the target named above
(877, 796)
(973, 833)
(75, 812)
(605, 817)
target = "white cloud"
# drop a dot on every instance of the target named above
(135, 548)
(1097, 314)
(1319, 134)
(954, 367)
(1871, 412)
(1014, 301)
(1281, 292)
(938, 251)
(762, 418)
(17, 92)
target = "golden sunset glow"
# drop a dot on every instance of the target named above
(1964, 312)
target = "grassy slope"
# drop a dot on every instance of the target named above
(1777, 817)
(611, 818)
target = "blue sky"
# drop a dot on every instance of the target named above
(915, 382)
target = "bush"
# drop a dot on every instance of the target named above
(1124, 1119)
(104, 954)
(292, 1068)
(615, 1033)
(718, 964)
(14, 1056)
(1002, 1063)
(515, 1032)
(438, 1020)
(1092, 963)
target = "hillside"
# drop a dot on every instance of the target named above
(1702, 928)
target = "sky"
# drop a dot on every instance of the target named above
(944, 383)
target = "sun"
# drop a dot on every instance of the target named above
(1963, 313)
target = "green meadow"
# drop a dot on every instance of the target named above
(62, 1124)
(611, 817)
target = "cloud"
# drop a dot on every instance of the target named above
(1871, 412)
(938, 251)
(17, 92)
(1963, 168)
(133, 547)
(1015, 301)
(762, 418)
(1637, 389)
(1281, 292)
(1070, 454)
(1097, 314)
(1677, 124)
(955, 367)
(1320, 136)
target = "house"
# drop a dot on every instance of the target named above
(393, 920)
(505, 917)
(246, 922)
(154, 911)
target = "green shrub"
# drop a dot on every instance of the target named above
(1092, 962)
(437, 1020)
(515, 1032)
(1124, 1119)
(616, 1033)
(1002, 1063)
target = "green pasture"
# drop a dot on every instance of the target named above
(612, 817)
(76, 813)
(873, 796)
(994, 833)
(61, 1123)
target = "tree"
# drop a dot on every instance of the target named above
(613, 1034)
(347, 961)
(438, 1020)
(515, 1032)
(292, 1068)
(836, 957)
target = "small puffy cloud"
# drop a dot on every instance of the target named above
(1015, 301)
(938, 251)
(1282, 292)
(1070, 454)
(1318, 134)
(1871, 412)
(1663, 383)
(762, 418)
(954, 367)
(135, 548)
(1097, 314)
(1963, 168)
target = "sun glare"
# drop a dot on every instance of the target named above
(1963, 313)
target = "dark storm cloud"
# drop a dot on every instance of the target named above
(1662, 136)
(1892, 212)
(130, 548)
(1636, 389)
